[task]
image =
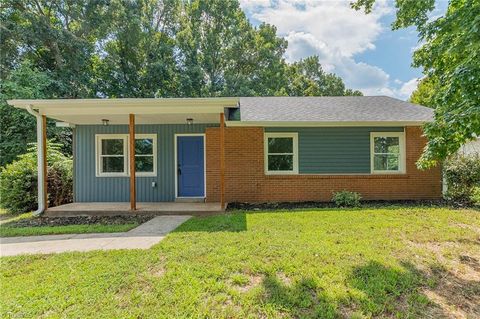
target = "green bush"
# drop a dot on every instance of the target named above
(346, 199)
(475, 197)
(462, 175)
(18, 180)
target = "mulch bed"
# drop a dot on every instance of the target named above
(300, 205)
(80, 220)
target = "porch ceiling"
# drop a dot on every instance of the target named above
(147, 111)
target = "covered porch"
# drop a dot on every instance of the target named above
(152, 208)
(114, 183)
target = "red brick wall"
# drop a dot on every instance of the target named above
(245, 180)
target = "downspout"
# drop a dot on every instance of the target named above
(40, 149)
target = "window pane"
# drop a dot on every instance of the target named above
(112, 146)
(144, 164)
(280, 162)
(280, 145)
(385, 162)
(112, 164)
(144, 146)
(387, 145)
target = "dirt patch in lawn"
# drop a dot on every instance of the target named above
(456, 297)
(79, 220)
(456, 293)
(252, 281)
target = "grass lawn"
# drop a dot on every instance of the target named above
(19, 225)
(393, 262)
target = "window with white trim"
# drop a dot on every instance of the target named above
(112, 155)
(146, 154)
(281, 153)
(387, 152)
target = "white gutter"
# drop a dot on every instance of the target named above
(40, 149)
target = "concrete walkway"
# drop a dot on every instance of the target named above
(141, 237)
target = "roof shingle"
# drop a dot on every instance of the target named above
(331, 109)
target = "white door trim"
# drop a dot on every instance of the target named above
(175, 163)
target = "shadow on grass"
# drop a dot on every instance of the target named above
(389, 291)
(410, 292)
(303, 299)
(378, 291)
(236, 222)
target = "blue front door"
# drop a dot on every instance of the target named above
(190, 166)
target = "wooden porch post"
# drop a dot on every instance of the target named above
(131, 159)
(44, 160)
(222, 161)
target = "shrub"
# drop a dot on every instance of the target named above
(475, 197)
(462, 175)
(346, 199)
(18, 180)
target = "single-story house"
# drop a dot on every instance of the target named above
(241, 149)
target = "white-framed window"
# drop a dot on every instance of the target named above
(281, 153)
(146, 154)
(111, 153)
(387, 152)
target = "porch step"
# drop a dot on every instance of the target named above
(190, 200)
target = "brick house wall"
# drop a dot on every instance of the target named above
(245, 180)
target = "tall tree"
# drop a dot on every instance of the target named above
(307, 78)
(257, 67)
(17, 127)
(424, 92)
(451, 55)
(211, 33)
(56, 36)
(137, 57)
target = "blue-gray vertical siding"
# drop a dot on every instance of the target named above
(322, 150)
(337, 150)
(89, 188)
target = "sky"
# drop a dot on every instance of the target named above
(362, 49)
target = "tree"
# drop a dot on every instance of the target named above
(451, 56)
(307, 78)
(58, 37)
(138, 59)
(423, 94)
(18, 127)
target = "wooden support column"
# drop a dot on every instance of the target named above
(222, 161)
(44, 160)
(131, 159)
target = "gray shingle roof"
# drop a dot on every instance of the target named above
(330, 109)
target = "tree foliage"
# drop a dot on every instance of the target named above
(18, 128)
(424, 92)
(450, 58)
(144, 48)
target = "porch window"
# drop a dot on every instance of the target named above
(145, 154)
(111, 153)
(387, 152)
(281, 153)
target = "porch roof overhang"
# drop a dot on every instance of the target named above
(116, 111)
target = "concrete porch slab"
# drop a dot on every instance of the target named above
(112, 209)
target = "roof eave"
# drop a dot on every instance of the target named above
(126, 102)
(325, 123)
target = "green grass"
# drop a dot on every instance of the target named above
(6, 231)
(399, 263)
(9, 229)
